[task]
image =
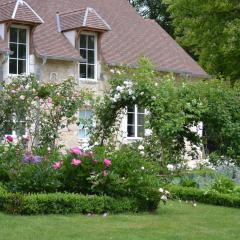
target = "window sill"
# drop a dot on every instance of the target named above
(85, 80)
(134, 138)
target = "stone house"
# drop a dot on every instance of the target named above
(61, 38)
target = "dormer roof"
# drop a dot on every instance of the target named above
(82, 18)
(131, 35)
(19, 11)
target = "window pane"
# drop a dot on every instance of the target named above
(141, 119)
(21, 66)
(90, 42)
(131, 118)
(13, 34)
(13, 66)
(131, 109)
(22, 53)
(131, 131)
(89, 114)
(83, 41)
(141, 110)
(21, 129)
(82, 133)
(83, 72)
(22, 36)
(140, 131)
(91, 56)
(91, 71)
(83, 54)
(13, 48)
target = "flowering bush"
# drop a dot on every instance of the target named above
(36, 111)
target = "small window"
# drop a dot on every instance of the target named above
(20, 126)
(19, 46)
(88, 53)
(135, 122)
(85, 119)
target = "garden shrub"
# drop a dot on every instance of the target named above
(65, 203)
(122, 173)
(209, 197)
(223, 185)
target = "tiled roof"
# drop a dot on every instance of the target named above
(130, 37)
(18, 11)
(83, 18)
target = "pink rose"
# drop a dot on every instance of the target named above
(49, 100)
(76, 150)
(9, 138)
(57, 165)
(105, 173)
(76, 162)
(107, 162)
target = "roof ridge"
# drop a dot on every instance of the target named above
(3, 4)
(22, 2)
(65, 13)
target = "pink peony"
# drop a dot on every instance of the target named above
(57, 165)
(9, 138)
(107, 162)
(105, 173)
(76, 162)
(76, 150)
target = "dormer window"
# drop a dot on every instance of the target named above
(18, 44)
(88, 52)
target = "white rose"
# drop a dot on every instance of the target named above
(22, 97)
(140, 147)
(142, 153)
(120, 89)
(161, 190)
(170, 167)
(164, 198)
(148, 132)
(154, 98)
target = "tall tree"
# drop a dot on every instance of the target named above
(154, 9)
(211, 29)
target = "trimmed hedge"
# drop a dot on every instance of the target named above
(68, 203)
(209, 197)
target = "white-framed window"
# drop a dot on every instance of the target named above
(85, 120)
(135, 122)
(18, 62)
(88, 51)
(18, 131)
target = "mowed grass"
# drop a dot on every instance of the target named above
(176, 221)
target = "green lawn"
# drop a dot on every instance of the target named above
(176, 221)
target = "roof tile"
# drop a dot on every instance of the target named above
(131, 36)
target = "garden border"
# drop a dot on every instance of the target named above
(204, 196)
(63, 203)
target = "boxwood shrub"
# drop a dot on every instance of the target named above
(69, 203)
(203, 196)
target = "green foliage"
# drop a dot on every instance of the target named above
(221, 120)
(210, 29)
(156, 10)
(128, 175)
(64, 203)
(173, 108)
(49, 107)
(223, 185)
(34, 178)
(209, 197)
